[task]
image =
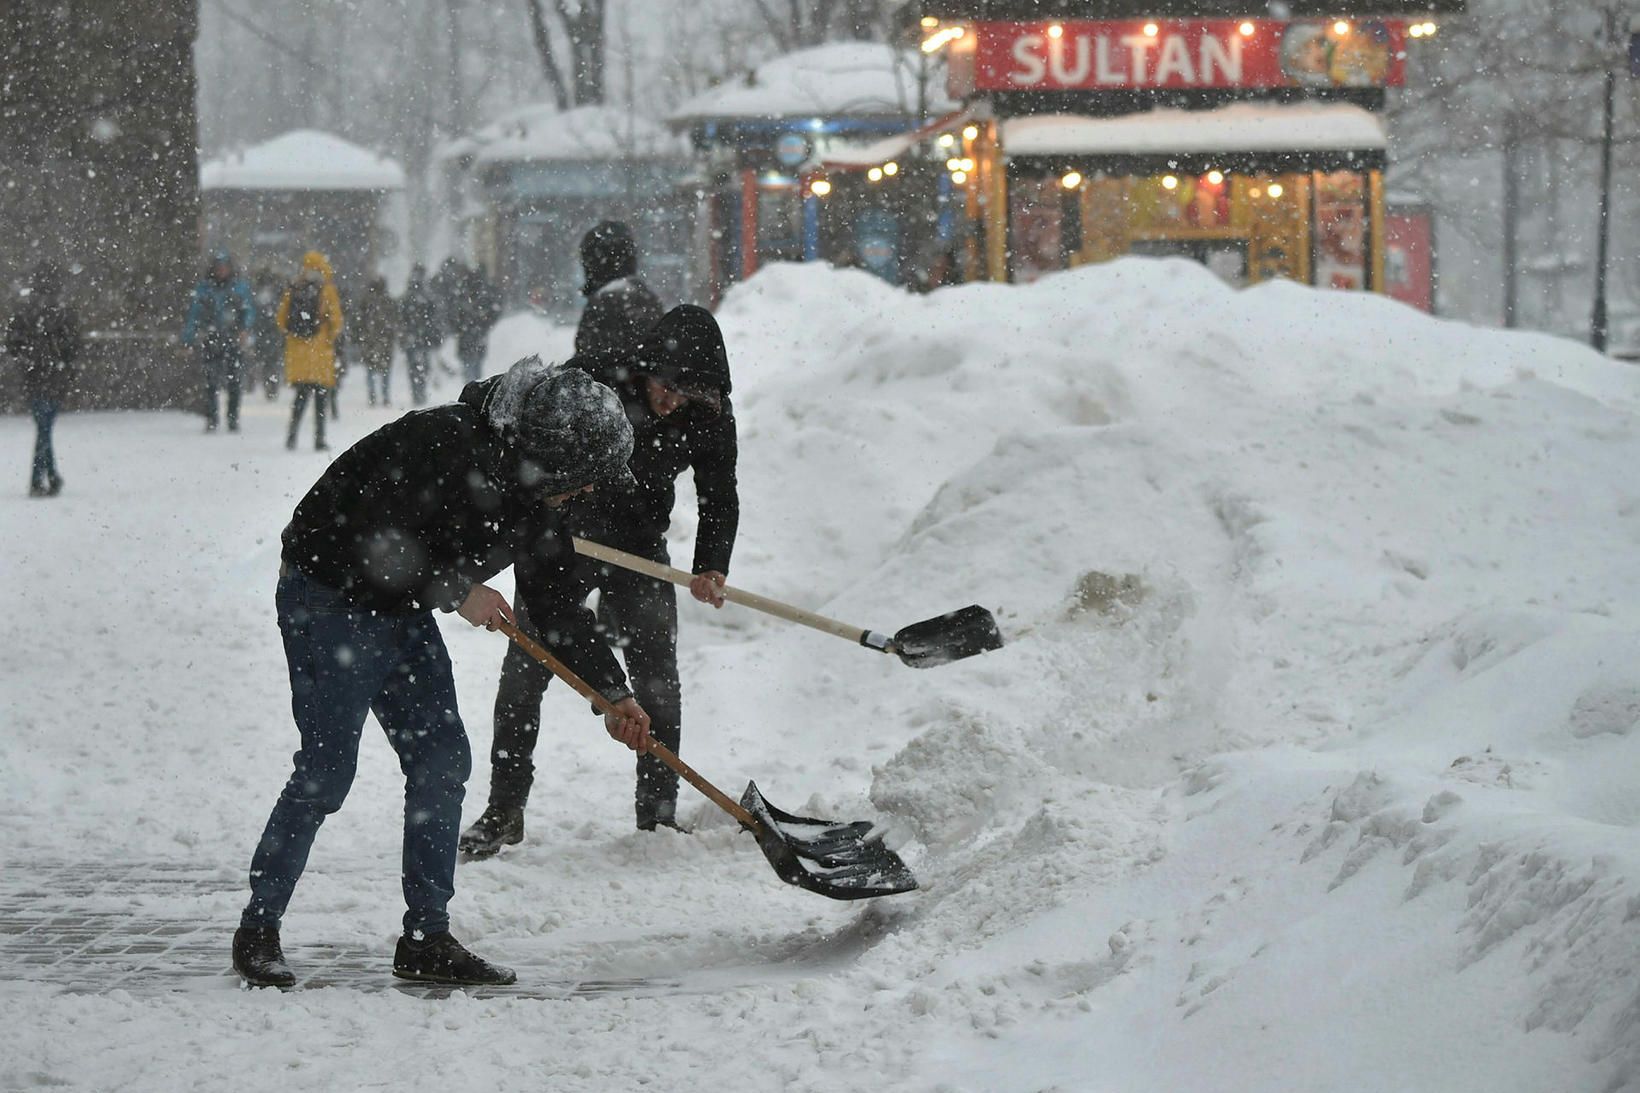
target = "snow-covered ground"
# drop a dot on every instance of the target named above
(1311, 763)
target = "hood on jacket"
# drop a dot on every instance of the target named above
(685, 350)
(608, 253)
(570, 430)
(219, 257)
(314, 262)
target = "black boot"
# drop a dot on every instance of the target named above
(440, 958)
(258, 959)
(662, 812)
(501, 825)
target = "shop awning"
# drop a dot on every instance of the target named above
(1247, 136)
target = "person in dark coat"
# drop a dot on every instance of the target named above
(267, 352)
(477, 308)
(43, 337)
(675, 390)
(375, 329)
(221, 314)
(417, 516)
(420, 331)
(620, 309)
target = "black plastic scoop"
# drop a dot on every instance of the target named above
(927, 644)
(838, 859)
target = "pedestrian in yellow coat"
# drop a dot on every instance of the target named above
(311, 317)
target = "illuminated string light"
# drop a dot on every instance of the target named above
(1215, 177)
(970, 132)
(930, 22)
(947, 140)
(1151, 30)
(1169, 182)
(875, 174)
(1247, 30)
(959, 177)
(1072, 180)
(1275, 189)
(1056, 31)
(891, 168)
(820, 188)
(1341, 28)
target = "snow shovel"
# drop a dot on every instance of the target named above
(840, 860)
(927, 644)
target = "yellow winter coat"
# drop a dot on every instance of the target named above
(313, 360)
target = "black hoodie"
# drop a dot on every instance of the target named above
(422, 509)
(685, 348)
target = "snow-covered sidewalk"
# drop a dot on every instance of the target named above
(1311, 763)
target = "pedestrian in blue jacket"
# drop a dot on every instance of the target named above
(221, 316)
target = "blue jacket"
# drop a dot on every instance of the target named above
(218, 313)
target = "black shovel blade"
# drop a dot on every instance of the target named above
(965, 633)
(840, 860)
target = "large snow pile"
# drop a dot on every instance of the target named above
(1309, 764)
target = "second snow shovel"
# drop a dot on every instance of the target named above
(927, 644)
(840, 860)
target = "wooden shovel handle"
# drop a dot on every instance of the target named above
(870, 639)
(604, 706)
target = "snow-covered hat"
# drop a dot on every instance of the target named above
(571, 428)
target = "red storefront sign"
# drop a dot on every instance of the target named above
(1084, 55)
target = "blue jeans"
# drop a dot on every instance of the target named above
(345, 663)
(45, 460)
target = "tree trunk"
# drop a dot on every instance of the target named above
(1511, 223)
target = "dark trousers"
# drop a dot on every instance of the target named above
(45, 457)
(320, 395)
(641, 615)
(417, 360)
(345, 663)
(222, 368)
(376, 371)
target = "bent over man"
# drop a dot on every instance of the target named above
(417, 516)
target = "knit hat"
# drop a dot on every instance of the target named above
(571, 429)
(608, 253)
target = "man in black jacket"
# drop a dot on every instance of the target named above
(620, 308)
(416, 516)
(43, 337)
(675, 390)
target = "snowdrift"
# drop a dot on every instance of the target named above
(1309, 765)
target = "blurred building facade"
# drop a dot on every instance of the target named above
(99, 173)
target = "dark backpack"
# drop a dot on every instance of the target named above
(302, 316)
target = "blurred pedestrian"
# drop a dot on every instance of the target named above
(620, 308)
(420, 330)
(267, 354)
(43, 337)
(221, 314)
(311, 317)
(477, 309)
(374, 323)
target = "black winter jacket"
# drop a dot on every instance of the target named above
(617, 316)
(422, 509)
(694, 436)
(44, 337)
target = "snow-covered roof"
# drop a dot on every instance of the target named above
(1237, 127)
(844, 78)
(540, 131)
(303, 159)
(870, 153)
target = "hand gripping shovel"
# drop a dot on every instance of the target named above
(840, 860)
(928, 644)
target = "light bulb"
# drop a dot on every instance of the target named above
(1072, 180)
